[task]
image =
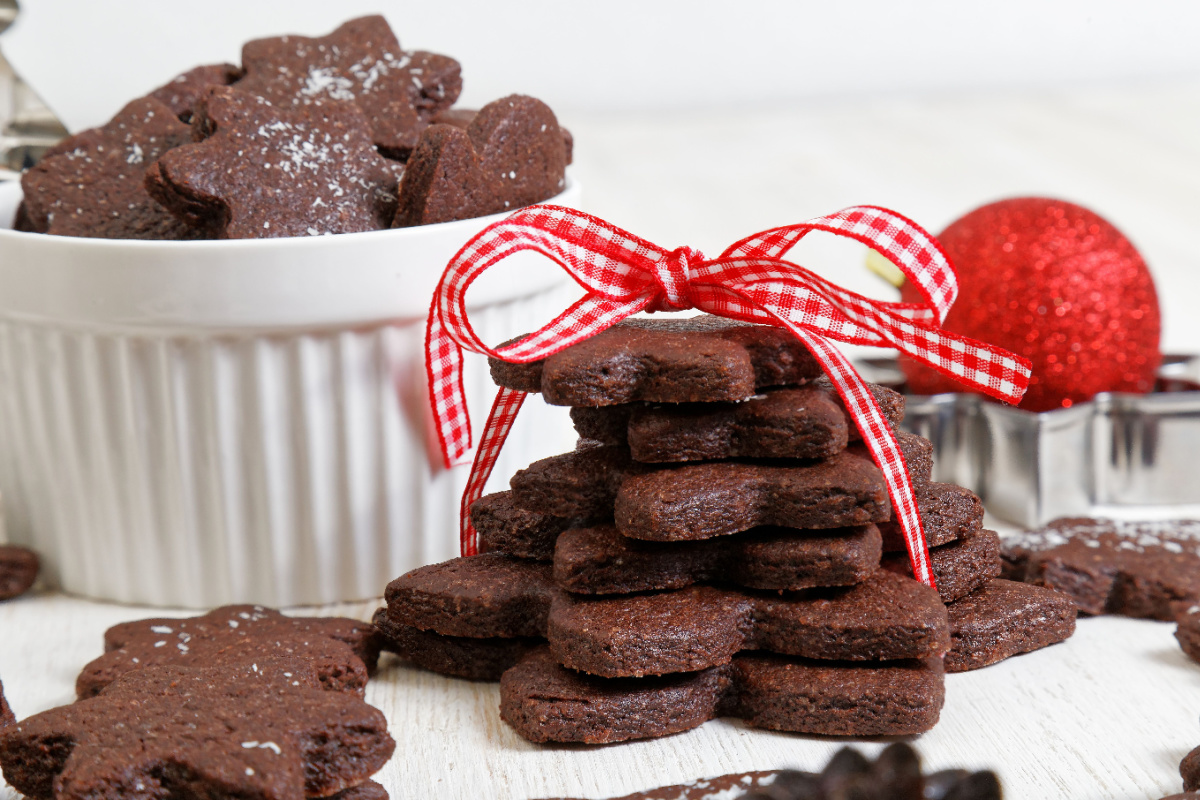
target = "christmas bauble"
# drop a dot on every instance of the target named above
(1058, 284)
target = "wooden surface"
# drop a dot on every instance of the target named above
(1108, 714)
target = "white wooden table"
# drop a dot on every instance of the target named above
(1107, 714)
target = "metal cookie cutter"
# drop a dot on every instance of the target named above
(1121, 455)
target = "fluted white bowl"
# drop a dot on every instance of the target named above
(198, 423)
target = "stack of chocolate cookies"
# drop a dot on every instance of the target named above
(711, 548)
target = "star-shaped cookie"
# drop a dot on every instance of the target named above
(91, 184)
(265, 730)
(265, 171)
(342, 650)
(360, 62)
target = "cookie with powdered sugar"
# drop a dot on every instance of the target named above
(263, 171)
(341, 650)
(1135, 569)
(181, 93)
(360, 62)
(265, 729)
(92, 184)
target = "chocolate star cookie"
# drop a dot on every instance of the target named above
(490, 595)
(18, 570)
(6, 714)
(506, 527)
(546, 702)
(341, 650)
(1137, 569)
(701, 359)
(462, 117)
(1005, 618)
(360, 62)
(92, 184)
(699, 501)
(1189, 769)
(1187, 630)
(948, 513)
(262, 730)
(599, 560)
(885, 618)
(182, 92)
(799, 422)
(512, 154)
(267, 171)
(960, 567)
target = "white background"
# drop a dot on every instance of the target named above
(87, 58)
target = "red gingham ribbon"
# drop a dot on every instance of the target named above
(624, 274)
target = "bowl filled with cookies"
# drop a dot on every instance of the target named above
(213, 312)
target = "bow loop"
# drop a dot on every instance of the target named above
(673, 274)
(623, 274)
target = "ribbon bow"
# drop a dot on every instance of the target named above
(750, 281)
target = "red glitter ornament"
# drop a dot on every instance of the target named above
(1055, 283)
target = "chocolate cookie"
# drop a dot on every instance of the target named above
(1005, 618)
(959, 567)
(800, 422)
(360, 62)
(473, 658)
(303, 170)
(582, 484)
(512, 154)
(699, 501)
(505, 527)
(545, 702)
(1187, 629)
(490, 595)
(183, 92)
(1137, 569)
(260, 730)
(92, 184)
(885, 618)
(948, 512)
(1189, 769)
(341, 650)
(367, 790)
(703, 359)
(6, 713)
(599, 560)
(445, 181)
(462, 117)
(18, 570)
(458, 117)
(21, 220)
(918, 457)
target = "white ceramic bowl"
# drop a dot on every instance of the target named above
(198, 423)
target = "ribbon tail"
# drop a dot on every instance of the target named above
(500, 421)
(447, 397)
(881, 441)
